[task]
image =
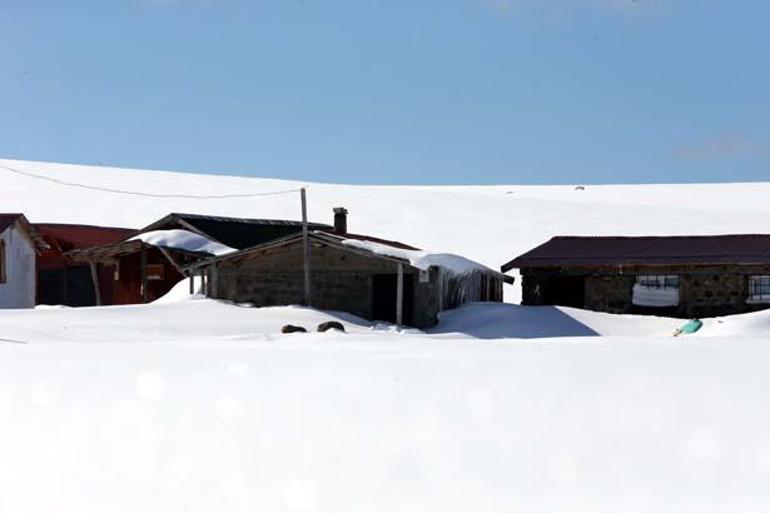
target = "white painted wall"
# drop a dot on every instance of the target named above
(18, 291)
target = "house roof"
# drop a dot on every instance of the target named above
(367, 238)
(665, 250)
(371, 247)
(77, 236)
(322, 236)
(8, 220)
(109, 252)
(239, 233)
(105, 252)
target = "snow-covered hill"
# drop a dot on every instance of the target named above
(489, 224)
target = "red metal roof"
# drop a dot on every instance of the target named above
(667, 250)
(77, 236)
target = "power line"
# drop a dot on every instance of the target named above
(12, 341)
(145, 194)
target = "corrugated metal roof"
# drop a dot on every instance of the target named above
(77, 236)
(367, 238)
(664, 250)
(242, 220)
(236, 232)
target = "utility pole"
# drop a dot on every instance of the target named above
(400, 296)
(305, 247)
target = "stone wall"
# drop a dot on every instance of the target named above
(711, 295)
(428, 300)
(349, 292)
(609, 293)
(340, 280)
(704, 291)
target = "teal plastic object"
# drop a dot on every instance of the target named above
(689, 327)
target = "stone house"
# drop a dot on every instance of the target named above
(369, 277)
(677, 276)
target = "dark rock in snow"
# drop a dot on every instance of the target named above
(330, 325)
(293, 329)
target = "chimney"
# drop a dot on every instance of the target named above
(340, 221)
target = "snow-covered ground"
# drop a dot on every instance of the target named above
(194, 405)
(201, 406)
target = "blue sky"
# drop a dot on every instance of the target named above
(431, 91)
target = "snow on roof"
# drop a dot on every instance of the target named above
(183, 240)
(454, 264)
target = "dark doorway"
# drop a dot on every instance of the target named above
(50, 287)
(80, 286)
(72, 286)
(384, 301)
(566, 291)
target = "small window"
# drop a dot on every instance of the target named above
(156, 272)
(759, 288)
(2, 261)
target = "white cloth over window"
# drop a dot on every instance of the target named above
(644, 296)
(659, 291)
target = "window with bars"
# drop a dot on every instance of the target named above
(658, 281)
(759, 288)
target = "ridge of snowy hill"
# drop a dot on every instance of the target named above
(488, 224)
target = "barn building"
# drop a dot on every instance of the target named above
(19, 246)
(677, 276)
(372, 278)
(142, 270)
(64, 281)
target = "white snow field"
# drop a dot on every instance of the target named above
(193, 405)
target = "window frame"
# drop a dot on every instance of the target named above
(761, 297)
(155, 272)
(661, 281)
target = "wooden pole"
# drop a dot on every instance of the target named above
(306, 248)
(144, 273)
(214, 281)
(192, 283)
(400, 296)
(95, 279)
